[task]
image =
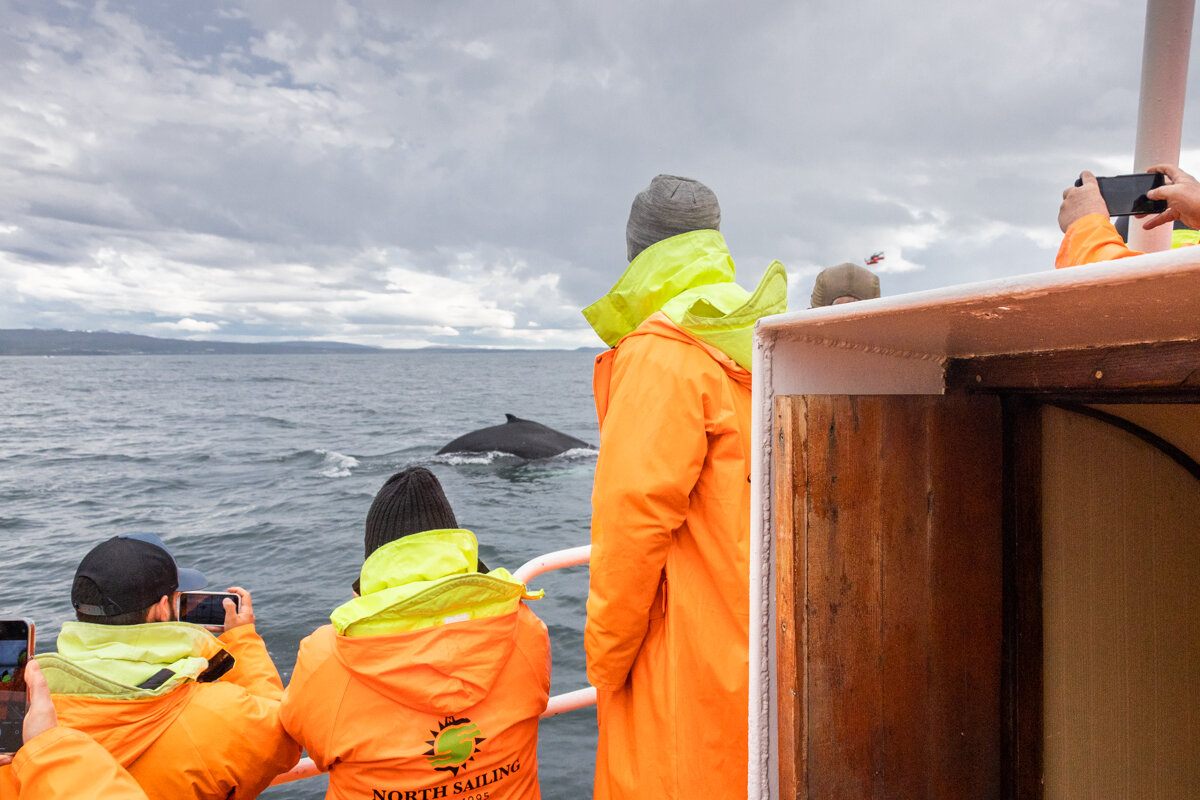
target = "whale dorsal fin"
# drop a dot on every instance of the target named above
(511, 418)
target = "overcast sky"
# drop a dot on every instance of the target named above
(459, 173)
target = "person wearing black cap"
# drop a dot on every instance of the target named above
(132, 579)
(430, 682)
(188, 714)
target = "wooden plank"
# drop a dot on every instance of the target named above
(966, 583)
(1171, 366)
(1022, 683)
(907, 600)
(789, 594)
(845, 692)
(903, 560)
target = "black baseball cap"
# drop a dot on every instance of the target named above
(129, 573)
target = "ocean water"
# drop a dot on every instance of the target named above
(259, 470)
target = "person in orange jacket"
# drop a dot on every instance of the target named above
(57, 763)
(187, 713)
(430, 682)
(1089, 236)
(667, 632)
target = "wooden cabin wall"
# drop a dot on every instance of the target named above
(889, 587)
(1121, 609)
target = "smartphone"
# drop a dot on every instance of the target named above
(16, 646)
(1126, 194)
(205, 608)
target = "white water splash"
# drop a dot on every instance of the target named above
(336, 465)
(579, 452)
(458, 459)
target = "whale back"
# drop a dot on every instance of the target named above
(523, 438)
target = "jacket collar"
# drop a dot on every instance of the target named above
(132, 661)
(690, 279)
(424, 580)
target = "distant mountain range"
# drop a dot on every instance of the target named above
(105, 343)
(37, 342)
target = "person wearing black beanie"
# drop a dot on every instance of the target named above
(410, 501)
(434, 655)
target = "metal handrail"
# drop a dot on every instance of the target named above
(559, 559)
(559, 703)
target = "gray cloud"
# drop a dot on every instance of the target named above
(460, 172)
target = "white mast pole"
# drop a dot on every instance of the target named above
(1165, 53)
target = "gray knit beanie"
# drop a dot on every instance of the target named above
(410, 501)
(669, 206)
(844, 280)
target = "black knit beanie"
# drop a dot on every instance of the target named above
(411, 501)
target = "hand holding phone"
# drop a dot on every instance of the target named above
(205, 608)
(1125, 195)
(216, 611)
(1181, 193)
(16, 647)
(41, 716)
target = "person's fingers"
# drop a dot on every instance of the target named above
(35, 681)
(244, 596)
(41, 716)
(1170, 170)
(1160, 219)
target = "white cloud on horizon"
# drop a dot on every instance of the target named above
(188, 324)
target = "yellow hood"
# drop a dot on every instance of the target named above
(690, 279)
(424, 580)
(132, 661)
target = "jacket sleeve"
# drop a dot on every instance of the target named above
(63, 763)
(303, 710)
(253, 668)
(653, 442)
(1089, 240)
(241, 740)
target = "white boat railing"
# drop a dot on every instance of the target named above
(559, 703)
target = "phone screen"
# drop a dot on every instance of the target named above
(1126, 194)
(15, 643)
(204, 608)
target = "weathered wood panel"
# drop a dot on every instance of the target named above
(1022, 676)
(789, 588)
(1173, 366)
(844, 609)
(896, 540)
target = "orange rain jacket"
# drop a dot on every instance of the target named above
(1093, 238)
(667, 633)
(448, 711)
(64, 764)
(221, 739)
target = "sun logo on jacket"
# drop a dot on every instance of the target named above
(454, 743)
